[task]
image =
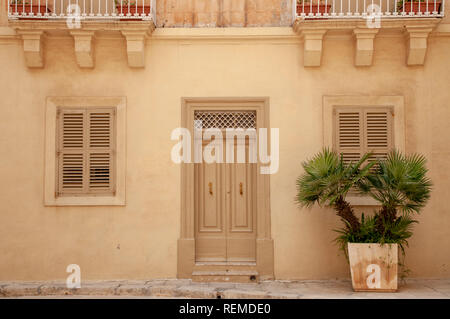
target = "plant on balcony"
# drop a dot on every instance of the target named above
(416, 7)
(20, 6)
(399, 184)
(316, 6)
(126, 6)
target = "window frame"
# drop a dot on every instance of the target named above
(86, 150)
(51, 195)
(396, 103)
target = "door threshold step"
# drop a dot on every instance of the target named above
(224, 272)
(243, 276)
(225, 267)
(225, 263)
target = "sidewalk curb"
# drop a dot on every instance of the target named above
(183, 288)
(145, 289)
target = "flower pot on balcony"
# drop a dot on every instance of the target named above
(28, 8)
(424, 7)
(373, 267)
(132, 9)
(307, 9)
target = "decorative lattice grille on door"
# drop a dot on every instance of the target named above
(225, 119)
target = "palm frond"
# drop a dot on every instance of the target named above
(400, 182)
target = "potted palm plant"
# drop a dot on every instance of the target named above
(416, 6)
(328, 179)
(371, 243)
(313, 6)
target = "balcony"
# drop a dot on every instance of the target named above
(135, 20)
(364, 20)
(123, 10)
(83, 20)
(369, 9)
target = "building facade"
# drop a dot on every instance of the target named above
(90, 103)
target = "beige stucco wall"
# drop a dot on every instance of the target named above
(139, 241)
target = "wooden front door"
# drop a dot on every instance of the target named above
(225, 227)
(225, 210)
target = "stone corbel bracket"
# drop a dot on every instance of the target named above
(33, 47)
(416, 31)
(84, 48)
(135, 47)
(417, 44)
(32, 33)
(364, 46)
(312, 47)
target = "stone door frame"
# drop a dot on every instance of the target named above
(186, 242)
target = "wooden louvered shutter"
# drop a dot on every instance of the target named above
(71, 151)
(359, 130)
(86, 151)
(100, 157)
(378, 132)
(349, 134)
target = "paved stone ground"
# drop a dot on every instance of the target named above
(176, 288)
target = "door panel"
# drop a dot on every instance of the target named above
(210, 215)
(240, 248)
(241, 234)
(225, 211)
(241, 198)
(210, 232)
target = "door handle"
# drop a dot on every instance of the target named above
(210, 188)
(240, 189)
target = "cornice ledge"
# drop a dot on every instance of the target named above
(442, 30)
(7, 33)
(225, 34)
(109, 25)
(349, 24)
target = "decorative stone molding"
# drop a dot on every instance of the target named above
(135, 48)
(364, 46)
(33, 47)
(312, 46)
(135, 33)
(84, 48)
(417, 38)
(417, 32)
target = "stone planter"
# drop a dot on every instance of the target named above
(373, 266)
